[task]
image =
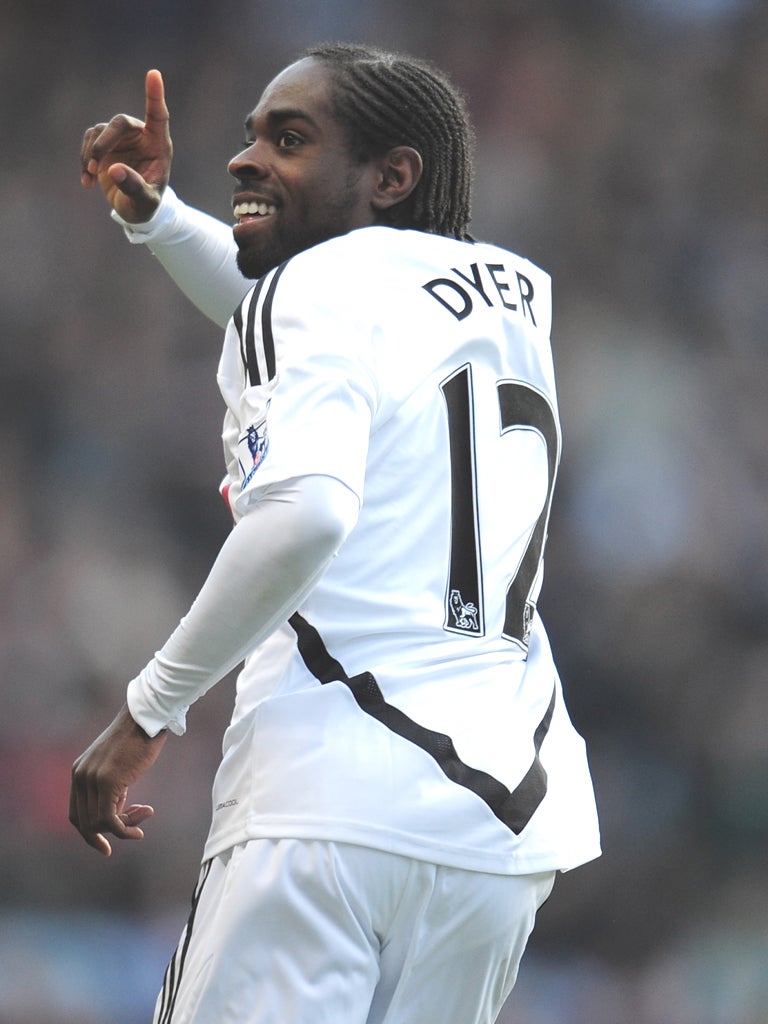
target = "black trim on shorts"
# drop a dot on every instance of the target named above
(175, 969)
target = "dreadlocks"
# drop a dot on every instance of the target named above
(389, 99)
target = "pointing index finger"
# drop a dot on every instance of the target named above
(157, 111)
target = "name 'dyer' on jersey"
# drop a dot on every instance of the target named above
(455, 297)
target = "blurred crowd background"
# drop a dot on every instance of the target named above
(621, 144)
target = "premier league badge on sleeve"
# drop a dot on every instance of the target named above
(251, 448)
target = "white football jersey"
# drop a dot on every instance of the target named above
(411, 703)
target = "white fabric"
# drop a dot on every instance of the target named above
(288, 932)
(197, 251)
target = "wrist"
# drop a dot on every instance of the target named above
(139, 232)
(149, 711)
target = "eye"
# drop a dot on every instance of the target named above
(288, 139)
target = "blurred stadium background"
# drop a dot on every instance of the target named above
(622, 144)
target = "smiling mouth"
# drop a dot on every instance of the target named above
(247, 211)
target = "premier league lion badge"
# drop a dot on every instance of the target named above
(252, 447)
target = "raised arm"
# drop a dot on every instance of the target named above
(131, 161)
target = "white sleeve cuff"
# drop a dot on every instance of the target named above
(146, 705)
(153, 230)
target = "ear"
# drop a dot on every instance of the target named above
(400, 171)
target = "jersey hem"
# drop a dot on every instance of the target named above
(406, 846)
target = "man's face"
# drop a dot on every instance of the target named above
(297, 183)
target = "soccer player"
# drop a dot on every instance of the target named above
(401, 780)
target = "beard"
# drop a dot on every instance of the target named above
(293, 232)
(258, 256)
(255, 261)
(251, 267)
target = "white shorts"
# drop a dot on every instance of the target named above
(296, 932)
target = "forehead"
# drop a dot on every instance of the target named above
(303, 88)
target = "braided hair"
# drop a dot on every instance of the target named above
(389, 99)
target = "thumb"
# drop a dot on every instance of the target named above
(136, 814)
(128, 181)
(144, 199)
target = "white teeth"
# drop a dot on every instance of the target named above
(252, 209)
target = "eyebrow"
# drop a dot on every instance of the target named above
(281, 114)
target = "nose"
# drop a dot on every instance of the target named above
(249, 163)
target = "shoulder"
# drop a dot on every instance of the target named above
(388, 250)
(372, 256)
(381, 273)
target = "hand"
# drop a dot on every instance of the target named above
(131, 159)
(100, 780)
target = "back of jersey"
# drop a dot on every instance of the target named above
(412, 702)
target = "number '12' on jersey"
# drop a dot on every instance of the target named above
(521, 407)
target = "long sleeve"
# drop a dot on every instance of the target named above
(197, 251)
(267, 565)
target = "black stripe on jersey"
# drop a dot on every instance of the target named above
(248, 352)
(175, 969)
(268, 339)
(237, 319)
(514, 808)
(251, 362)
